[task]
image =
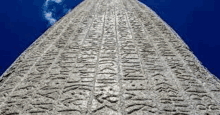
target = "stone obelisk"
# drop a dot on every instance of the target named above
(109, 57)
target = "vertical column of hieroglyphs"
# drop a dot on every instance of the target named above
(104, 98)
(76, 88)
(85, 69)
(26, 61)
(33, 94)
(202, 101)
(134, 83)
(106, 95)
(166, 93)
(137, 96)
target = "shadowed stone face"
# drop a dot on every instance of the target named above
(109, 57)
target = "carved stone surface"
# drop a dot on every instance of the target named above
(109, 57)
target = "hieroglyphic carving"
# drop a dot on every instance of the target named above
(211, 82)
(47, 86)
(23, 68)
(31, 56)
(178, 68)
(160, 80)
(106, 90)
(135, 86)
(109, 57)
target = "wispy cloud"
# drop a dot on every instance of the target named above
(57, 1)
(48, 15)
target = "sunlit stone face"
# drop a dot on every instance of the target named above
(108, 57)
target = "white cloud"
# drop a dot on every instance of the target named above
(46, 3)
(48, 16)
(57, 1)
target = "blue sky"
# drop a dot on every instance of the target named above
(196, 21)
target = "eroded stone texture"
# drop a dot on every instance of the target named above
(109, 57)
